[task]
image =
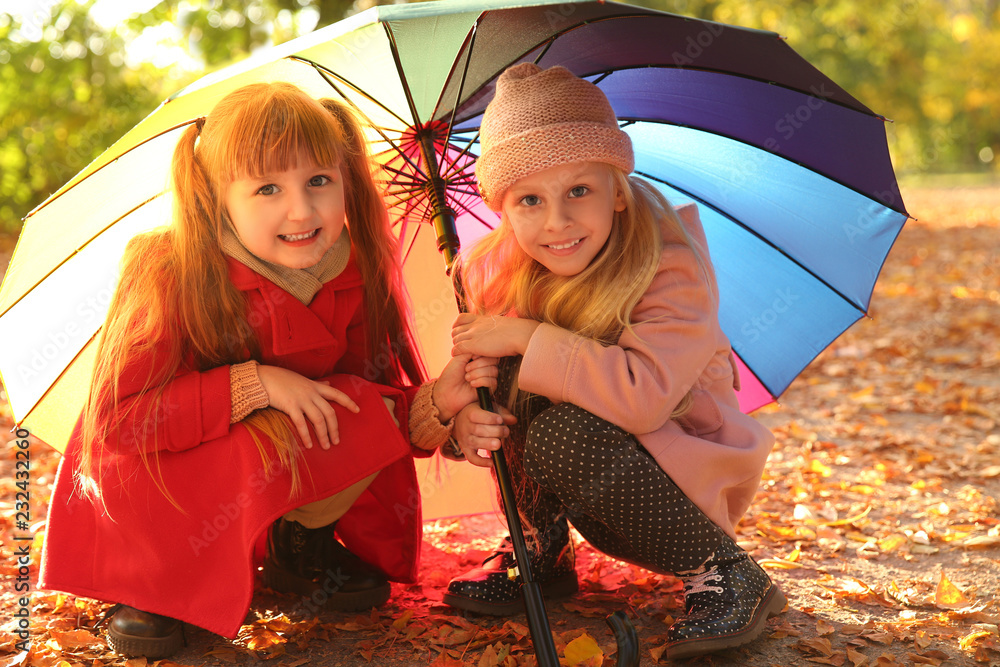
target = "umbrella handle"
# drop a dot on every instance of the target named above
(626, 638)
(534, 604)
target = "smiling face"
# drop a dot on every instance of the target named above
(290, 217)
(562, 216)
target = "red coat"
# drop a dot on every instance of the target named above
(198, 565)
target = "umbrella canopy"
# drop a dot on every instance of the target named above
(791, 173)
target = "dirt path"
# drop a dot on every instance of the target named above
(877, 516)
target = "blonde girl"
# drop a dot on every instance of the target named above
(257, 394)
(622, 416)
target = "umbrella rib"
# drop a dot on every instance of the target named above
(111, 162)
(461, 176)
(471, 193)
(759, 237)
(461, 84)
(466, 151)
(394, 49)
(551, 39)
(327, 73)
(399, 172)
(327, 76)
(404, 190)
(555, 36)
(865, 111)
(413, 194)
(81, 247)
(467, 209)
(412, 242)
(655, 121)
(61, 373)
(462, 179)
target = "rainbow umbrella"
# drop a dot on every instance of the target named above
(791, 174)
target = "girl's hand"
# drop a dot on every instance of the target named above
(491, 335)
(456, 386)
(477, 429)
(306, 402)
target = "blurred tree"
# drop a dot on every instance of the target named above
(64, 96)
(70, 87)
(928, 65)
(221, 31)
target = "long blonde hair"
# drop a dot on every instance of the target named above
(499, 278)
(176, 301)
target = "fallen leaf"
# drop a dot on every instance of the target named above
(849, 520)
(929, 658)
(823, 628)
(816, 645)
(970, 639)
(923, 549)
(837, 659)
(74, 639)
(583, 652)
(400, 623)
(489, 658)
(891, 543)
(982, 542)
(779, 563)
(948, 595)
(857, 658)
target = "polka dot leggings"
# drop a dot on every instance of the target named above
(613, 491)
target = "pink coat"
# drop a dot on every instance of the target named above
(715, 454)
(198, 564)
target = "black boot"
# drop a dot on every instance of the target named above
(494, 588)
(312, 563)
(138, 633)
(728, 601)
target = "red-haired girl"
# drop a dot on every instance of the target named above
(256, 385)
(604, 302)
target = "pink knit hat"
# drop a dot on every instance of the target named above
(543, 118)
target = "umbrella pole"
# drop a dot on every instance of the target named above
(443, 221)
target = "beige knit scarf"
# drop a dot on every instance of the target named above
(300, 283)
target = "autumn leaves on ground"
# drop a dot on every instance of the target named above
(877, 514)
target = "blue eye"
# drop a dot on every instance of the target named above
(531, 200)
(579, 191)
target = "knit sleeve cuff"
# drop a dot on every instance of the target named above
(426, 429)
(248, 393)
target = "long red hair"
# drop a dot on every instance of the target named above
(175, 298)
